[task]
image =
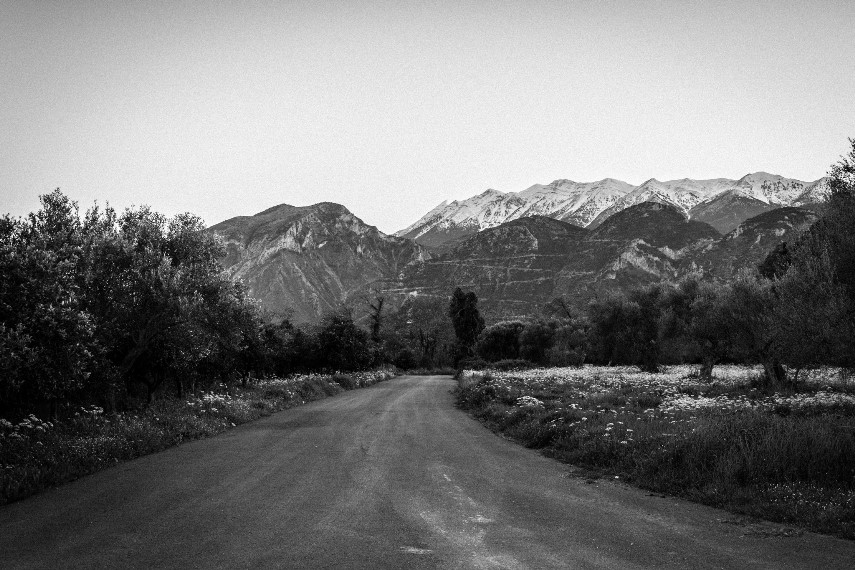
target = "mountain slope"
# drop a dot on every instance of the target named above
(307, 260)
(511, 266)
(729, 209)
(642, 244)
(520, 265)
(749, 244)
(310, 259)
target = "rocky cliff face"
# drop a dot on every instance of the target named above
(307, 260)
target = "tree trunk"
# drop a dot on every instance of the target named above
(707, 364)
(776, 376)
(152, 382)
(650, 358)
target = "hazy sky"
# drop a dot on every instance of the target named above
(226, 109)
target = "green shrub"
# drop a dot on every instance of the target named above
(345, 381)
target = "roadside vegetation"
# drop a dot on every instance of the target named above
(728, 442)
(35, 453)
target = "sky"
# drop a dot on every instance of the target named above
(228, 108)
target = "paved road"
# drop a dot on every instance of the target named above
(392, 476)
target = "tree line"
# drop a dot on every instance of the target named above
(796, 310)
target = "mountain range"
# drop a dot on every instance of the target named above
(517, 251)
(721, 202)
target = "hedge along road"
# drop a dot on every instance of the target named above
(392, 476)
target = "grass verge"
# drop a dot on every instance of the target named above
(36, 454)
(783, 457)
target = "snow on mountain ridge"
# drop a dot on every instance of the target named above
(589, 203)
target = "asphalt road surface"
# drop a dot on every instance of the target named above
(392, 476)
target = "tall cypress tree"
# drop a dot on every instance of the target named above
(467, 321)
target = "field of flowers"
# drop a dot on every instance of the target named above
(36, 454)
(788, 457)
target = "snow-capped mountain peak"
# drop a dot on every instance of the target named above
(588, 204)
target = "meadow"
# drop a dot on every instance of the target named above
(783, 456)
(36, 453)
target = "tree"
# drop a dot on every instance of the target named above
(536, 340)
(747, 314)
(708, 326)
(47, 345)
(467, 321)
(420, 333)
(376, 318)
(775, 265)
(627, 329)
(612, 320)
(815, 309)
(500, 341)
(569, 343)
(692, 317)
(812, 316)
(342, 345)
(813, 282)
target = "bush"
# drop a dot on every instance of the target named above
(500, 341)
(345, 381)
(405, 359)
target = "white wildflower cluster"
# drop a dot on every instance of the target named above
(819, 400)
(371, 377)
(529, 402)
(29, 426)
(214, 402)
(816, 402)
(90, 411)
(686, 403)
(603, 379)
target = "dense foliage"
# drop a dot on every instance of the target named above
(110, 309)
(108, 306)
